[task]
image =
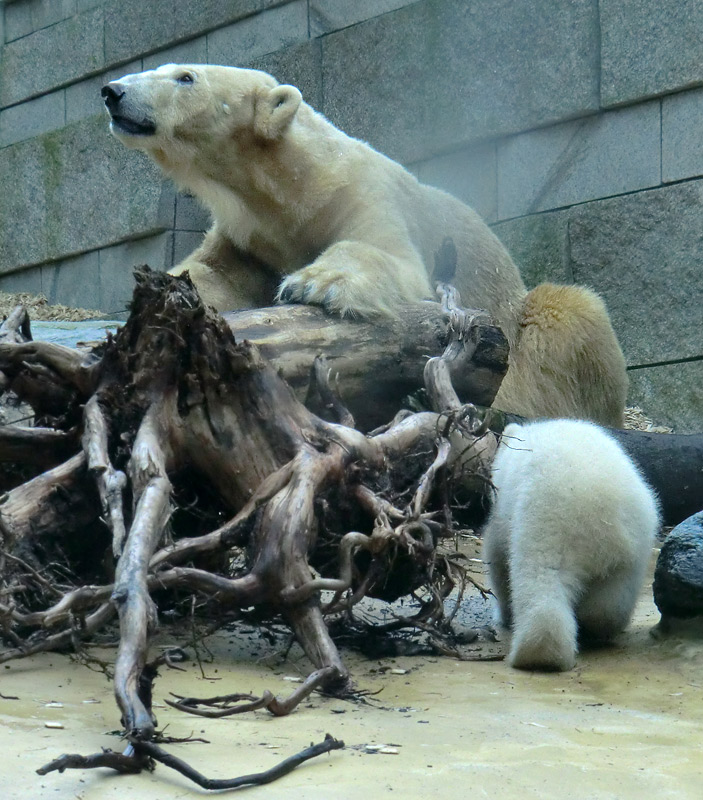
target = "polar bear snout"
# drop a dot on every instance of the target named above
(128, 116)
(112, 93)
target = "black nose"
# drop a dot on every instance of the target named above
(113, 93)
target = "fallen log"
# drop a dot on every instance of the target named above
(373, 366)
(376, 364)
(673, 465)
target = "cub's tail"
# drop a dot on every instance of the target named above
(544, 623)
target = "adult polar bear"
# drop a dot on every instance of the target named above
(293, 197)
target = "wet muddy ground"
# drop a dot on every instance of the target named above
(626, 723)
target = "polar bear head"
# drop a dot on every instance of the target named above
(177, 111)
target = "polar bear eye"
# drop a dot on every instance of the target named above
(186, 77)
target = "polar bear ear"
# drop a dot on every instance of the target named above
(275, 110)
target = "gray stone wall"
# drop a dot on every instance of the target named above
(573, 127)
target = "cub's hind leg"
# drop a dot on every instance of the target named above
(495, 556)
(607, 604)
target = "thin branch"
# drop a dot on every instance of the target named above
(64, 639)
(347, 547)
(243, 591)
(40, 579)
(374, 504)
(110, 482)
(331, 400)
(231, 533)
(427, 482)
(438, 384)
(144, 751)
(124, 764)
(254, 779)
(221, 706)
(72, 602)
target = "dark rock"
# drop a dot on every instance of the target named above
(678, 576)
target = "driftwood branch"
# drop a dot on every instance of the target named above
(110, 482)
(41, 447)
(140, 754)
(148, 471)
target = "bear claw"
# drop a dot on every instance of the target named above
(285, 295)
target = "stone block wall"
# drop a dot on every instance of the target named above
(573, 127)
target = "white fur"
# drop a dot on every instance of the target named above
(568, 540)
(298, 204)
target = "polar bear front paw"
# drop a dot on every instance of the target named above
(341, 292)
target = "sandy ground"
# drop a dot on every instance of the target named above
(626, 723)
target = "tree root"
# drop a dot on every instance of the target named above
(142, 753)
(221, 706)
(111, 482)
(173, 394)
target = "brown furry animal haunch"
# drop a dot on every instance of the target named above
(298, 203)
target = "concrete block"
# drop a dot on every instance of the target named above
(26, 280)
(671, 395)
(51, 57)
(300, 65)
(682, 147)
(32, 118)
(191, 215)
(649, 47)
(439, 74)
(133, 27)
(643, 253)
(192, 52)
(468, 174)
(206, 15)
(85, 5)
(117, 268)
(75, 190)
(73, 282)
(184, 243)
(18, 20)
(539, 246)
(327, 16)
(566, 163)
(262, 33)
(49, 12)
(83, 99)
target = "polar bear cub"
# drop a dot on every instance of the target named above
(568, 540)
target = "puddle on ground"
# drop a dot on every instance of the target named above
(626, 723)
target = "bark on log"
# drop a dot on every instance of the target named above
(54, 503)
(378, 363)
(673, 466)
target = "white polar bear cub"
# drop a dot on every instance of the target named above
(568, 540)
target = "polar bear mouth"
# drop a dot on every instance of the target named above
(126, 125)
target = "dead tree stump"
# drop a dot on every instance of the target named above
(174, 393)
